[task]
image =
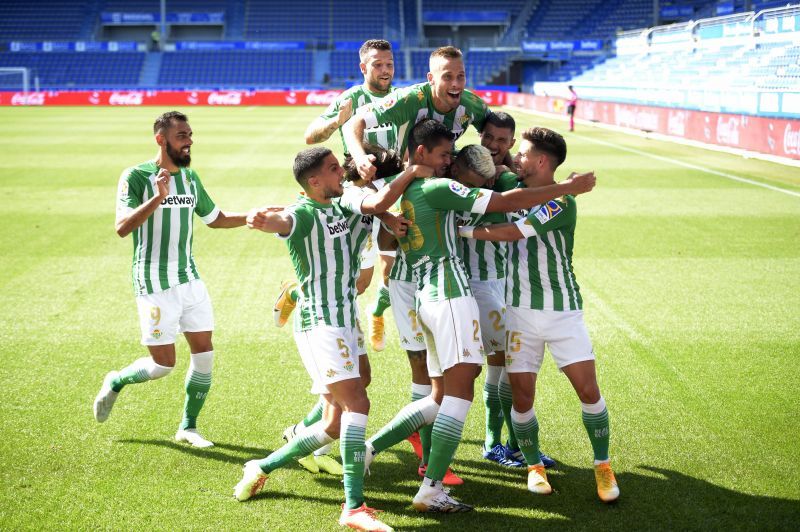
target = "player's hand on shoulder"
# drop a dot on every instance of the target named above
(345, 111)
(162, 182)
(365, 167)
(581, 183)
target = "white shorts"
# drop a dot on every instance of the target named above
(402, 295)
(329, 354)
(563, 331)
(359, 332)
(452, 333)
(370, 250)
(491, 299)
(182, 308)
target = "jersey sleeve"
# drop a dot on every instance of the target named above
(332, 110)
(130, 192)
(478, 108)
(302, 222)
(447, 194)
(397, 108)
(552, 215)
(205, 208)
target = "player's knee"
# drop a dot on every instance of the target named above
(588, 393)
(157, 371)
(358, 404)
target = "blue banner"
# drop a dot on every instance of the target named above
(724, 8)
(584, 45)
(465, 17)
(74, 46)
(155, 18)
(239, 45)
(673, 12)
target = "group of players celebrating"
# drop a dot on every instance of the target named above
(476, 262)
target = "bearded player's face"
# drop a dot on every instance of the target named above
(179, 142)
(378, 70)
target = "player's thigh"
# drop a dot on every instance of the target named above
(404, 309)
(524, 345)
(197, 313)
(490, 296)
(454, 325)
(567, 336)
(159, 316)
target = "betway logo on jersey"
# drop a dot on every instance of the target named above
(225, 98)
(126, 98)
(337, 229)
(178, 201)
(321, 98)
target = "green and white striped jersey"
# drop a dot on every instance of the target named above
(323, 254)
(541, 274)
(384, 134)
(407, 106)
(162, 245)
(485, 260)
(400, 270)
(431, 244)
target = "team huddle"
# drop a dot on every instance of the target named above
(474, 252)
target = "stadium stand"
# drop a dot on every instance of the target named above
(44, 20)
(57, 70)
(236, 68)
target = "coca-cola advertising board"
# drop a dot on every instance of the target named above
(181, 98)
(773, 136)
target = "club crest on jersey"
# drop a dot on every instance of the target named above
(178, 201)
(459, 189)
(388, 103)
(338, 229)
(548, 211)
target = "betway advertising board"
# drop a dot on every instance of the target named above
(183, 98)
(774, 136)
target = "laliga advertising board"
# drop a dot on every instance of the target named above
(182, 98)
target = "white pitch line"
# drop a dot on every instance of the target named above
(681, 163)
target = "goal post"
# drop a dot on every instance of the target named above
(15, 79)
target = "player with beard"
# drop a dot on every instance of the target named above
(377, 67)
(155, 203)
(545, 308)
(323, 248)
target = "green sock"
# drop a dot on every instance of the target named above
(294, 295)
(381, 302)
(315, 414)
(526, 427)
(197, 386)
(353, 448)
(446, 435)
(504, 391)
(425, 430)
(198, 382)
(494, 409)
(141, 370)
(312, 439)
(597, 426)
(407, 421)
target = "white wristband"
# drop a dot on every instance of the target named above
(466, 231)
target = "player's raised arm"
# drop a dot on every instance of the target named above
(353, 132)
(324, 126)
(130, 219)
(525, 198)
(387, 196)
(496, 232)
(270, 219)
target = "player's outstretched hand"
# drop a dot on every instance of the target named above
(421, 171)
(581, 183)
(345, 111)
(257, 218)
(162, 182)
(365, 167)
(396, 224)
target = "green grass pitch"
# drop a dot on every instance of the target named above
(691, 283)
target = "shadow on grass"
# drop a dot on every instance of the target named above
(651, 498)
(238, 454)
